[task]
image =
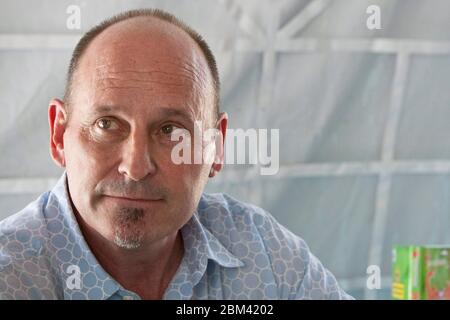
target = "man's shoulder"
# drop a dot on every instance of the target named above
(25, 262)
(223, 207)
(266, 247)
(224, 214)
(255, 237)
(21, 234)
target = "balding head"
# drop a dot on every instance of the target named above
(152, 34)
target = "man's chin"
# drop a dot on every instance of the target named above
(129, 228)
(128, 242)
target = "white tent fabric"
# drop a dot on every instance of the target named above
(363, 114)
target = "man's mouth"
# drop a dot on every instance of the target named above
(132, 199)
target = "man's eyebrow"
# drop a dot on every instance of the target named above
(169, 112)
(104, 109)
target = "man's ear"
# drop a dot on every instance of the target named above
(57, 119)
(221, 125)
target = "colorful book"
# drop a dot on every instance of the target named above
(421, 273)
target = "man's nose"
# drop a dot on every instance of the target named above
(136, 161)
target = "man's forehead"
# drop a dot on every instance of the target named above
(167, 66)
(126, 51)
(142, 40)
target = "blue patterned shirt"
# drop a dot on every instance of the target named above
(232, 250)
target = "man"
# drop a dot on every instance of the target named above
(126, 221)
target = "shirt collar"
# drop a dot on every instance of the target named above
(200, 245)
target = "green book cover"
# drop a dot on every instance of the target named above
(407, 273)
(421, 272)
(437, 274)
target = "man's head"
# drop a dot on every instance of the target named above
(132, 81)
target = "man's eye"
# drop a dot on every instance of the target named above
(106, 124)
(168, 129)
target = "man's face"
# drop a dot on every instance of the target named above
(133, 87)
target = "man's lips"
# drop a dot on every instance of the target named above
(133, 199)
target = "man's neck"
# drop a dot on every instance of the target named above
(146, 270)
